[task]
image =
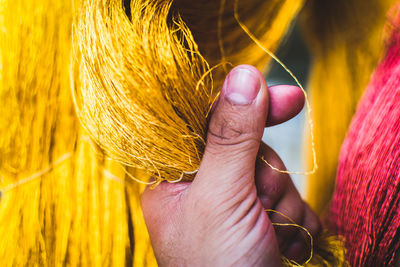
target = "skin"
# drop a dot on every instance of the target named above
(219, 219)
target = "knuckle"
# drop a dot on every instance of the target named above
(295, 205)
(294, 212)
(274, 187)
(312, 223)
(230, 132)
(270, 194)
(298, 211)
(314, 228)
(225, 130)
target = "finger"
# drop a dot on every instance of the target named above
(277, 192)
(300, 249)
(285, 102)
(292, 207)
(235, 130)
(270, 184)
(271, 188)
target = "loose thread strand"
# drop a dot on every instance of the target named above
(308, 106)
(220, 39)
(38, 174)
(300, 227)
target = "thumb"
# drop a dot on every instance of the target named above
(235, 129)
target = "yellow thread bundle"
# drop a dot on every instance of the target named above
(345, 40)
(132, 96)
(146, 102)
(32, 100)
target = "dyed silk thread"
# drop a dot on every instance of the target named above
(365, 206)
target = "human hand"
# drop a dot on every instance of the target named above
(219, 218)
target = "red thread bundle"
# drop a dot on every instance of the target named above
(366, 205)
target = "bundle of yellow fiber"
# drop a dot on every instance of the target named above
(62, 202)
(145, 89)
(345, 40)
(33, 63)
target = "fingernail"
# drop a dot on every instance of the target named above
(242, 86)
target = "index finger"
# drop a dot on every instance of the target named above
(285, 102)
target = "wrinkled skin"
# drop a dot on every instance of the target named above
(219, 219)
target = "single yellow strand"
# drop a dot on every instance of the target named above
(65, 157)
(224, 63)
(112, 176)
(37, 174)
(298, 226)
(220, 40)
(138, 180)
(308, 106)
(183, 175)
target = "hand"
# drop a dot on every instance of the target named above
(219, 218)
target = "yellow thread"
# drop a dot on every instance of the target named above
(182, 176)
(56, 163)
(220, 39)
(138, 180)
(218, 94)
(37, 174)
(308, 106)
(112, 176)
(298, 226)
(208, 72)
(134, 104)
(346, 44)
(108, 174)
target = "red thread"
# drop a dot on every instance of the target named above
(366, 204)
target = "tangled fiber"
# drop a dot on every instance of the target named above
(345, 40)
(365, 208)
(146, 102)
